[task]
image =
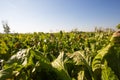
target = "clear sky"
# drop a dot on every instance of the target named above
(55, 15)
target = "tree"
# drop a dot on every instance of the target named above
(118, 26)
(6, 27)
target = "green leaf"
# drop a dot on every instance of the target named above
(80, 67)
(60, 66)
(108, 73)
(106, 62)
(7, 73)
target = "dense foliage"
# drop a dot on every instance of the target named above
(52, 56)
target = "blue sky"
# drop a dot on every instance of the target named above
(54, 15)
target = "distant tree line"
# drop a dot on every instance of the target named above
(6, 28)
(101, 29)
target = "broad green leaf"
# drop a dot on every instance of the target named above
(107, 73)
(60, 66)
(106, 63)
(81, 69)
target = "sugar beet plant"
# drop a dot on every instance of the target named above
(56, 56)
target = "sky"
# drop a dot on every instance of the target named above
(25, 16)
